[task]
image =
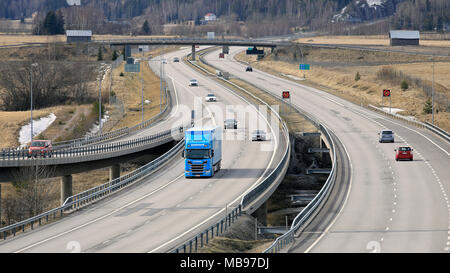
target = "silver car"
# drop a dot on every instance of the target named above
(386, 136)
(258, 135)
(230, 124)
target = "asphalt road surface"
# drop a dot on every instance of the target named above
(166, 209)
(390, 206)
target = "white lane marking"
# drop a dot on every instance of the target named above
(372, 115)
(100, 218)
(239, 197)
(342, 208)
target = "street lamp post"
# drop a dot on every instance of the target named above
(432, 97)
(100, 106)
(31, 101)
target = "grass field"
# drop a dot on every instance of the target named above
(373, 40)
(334, 71)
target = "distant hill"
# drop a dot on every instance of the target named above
(275, 16)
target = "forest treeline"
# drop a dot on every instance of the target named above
(272, 16)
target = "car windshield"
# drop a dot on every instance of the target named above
(386, 132)
(38, 144)
(230, 121)
(258, 132)
(197, 154)
(404, 149)
(211, 95)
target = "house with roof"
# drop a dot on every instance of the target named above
(210, 17)
(74, 36)
(404, 37)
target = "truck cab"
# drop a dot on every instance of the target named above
(202, 151)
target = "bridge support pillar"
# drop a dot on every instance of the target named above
(66, 187)
(261, 214)
(114, 172)
(193, 53)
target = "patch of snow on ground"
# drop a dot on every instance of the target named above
(375, 2)
(38, 127)
(96, 128)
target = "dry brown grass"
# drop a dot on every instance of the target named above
(341, 82)
(372, 40)
(27, 38)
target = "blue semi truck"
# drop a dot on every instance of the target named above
(202, 151)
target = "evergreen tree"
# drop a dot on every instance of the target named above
(100, 54)
(146, 28)
(50, 23)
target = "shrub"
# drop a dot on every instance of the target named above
(357, 76)
(428, 107)
(404, 85)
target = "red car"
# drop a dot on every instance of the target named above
(40, 148)
(403, 153)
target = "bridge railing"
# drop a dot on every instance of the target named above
(87, 197)
(276, 175)
(313, 207)
(21, 157)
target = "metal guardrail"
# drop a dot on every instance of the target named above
(82, 199)
(199, 41)
(312, 208)
(15, 158)
(427, 125)
(82, 147)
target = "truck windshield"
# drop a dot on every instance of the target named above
(197, 154)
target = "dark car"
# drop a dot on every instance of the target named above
(249, 69)
(230, 124)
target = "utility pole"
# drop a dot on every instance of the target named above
(100, 106)
(432, 96)
(31, 101)
(142, 89)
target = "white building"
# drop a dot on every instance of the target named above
(210, 17)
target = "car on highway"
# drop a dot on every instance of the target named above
(386, 136)
(176, 60)
(259, 135)
(193, 82)
(403, 153)
(210, 97)
(249, 69)
(230, 124)
(41, 148)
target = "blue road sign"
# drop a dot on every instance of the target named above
(304, 67)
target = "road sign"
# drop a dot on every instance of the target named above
(386, 93)
(304, 66)
(254, 51)
(286, 95)
(132, 67)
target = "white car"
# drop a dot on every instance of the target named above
(258, 135)
(193, 82)
(210, 97)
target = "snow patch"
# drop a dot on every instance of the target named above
(38, 127)
(372, 3)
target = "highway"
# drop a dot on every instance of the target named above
(166, 209)
(390, 206)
